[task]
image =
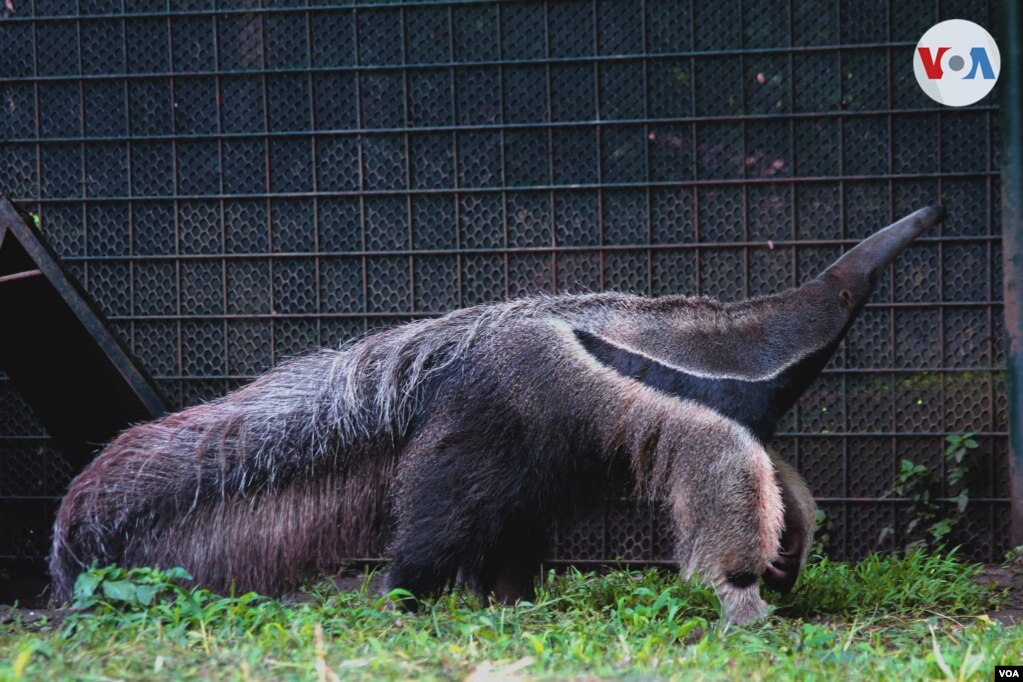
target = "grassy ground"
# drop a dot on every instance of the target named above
(900, 618)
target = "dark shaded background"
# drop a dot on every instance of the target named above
(237, 184)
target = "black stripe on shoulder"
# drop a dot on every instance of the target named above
(748, 402)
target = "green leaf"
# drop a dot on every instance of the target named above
(120, 590)
(191, 604)
(146, 594)
(941, 529)
(86, 583)
(819, 639)
(43, 648)
(395, 595)
(177, 573)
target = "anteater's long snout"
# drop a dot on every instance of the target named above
(871, 256)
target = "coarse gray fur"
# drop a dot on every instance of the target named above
(462, 438)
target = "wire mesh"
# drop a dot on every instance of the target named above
(237, 183)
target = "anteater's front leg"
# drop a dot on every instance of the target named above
(800, 520)
(727, 509)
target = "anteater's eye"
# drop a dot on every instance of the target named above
(846, 299)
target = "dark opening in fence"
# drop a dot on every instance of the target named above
(235, 184)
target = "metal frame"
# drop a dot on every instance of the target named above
(90, 388)
(1012, 224)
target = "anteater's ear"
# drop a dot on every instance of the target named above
(854, 275)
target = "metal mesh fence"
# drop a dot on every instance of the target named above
(237, 183)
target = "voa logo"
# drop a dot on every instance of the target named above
(956, 62)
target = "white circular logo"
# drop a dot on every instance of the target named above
(956, 62)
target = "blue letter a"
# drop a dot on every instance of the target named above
(978, 55)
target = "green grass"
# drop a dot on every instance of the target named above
(902, 618)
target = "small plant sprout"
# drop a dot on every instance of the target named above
(931, 521)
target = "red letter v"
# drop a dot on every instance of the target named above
(932, 65)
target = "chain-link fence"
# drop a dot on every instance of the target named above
(235, 184)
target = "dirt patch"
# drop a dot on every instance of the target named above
(1010, 579)
(345, 580)
(31, 618)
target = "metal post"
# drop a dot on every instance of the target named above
(1011, 83)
